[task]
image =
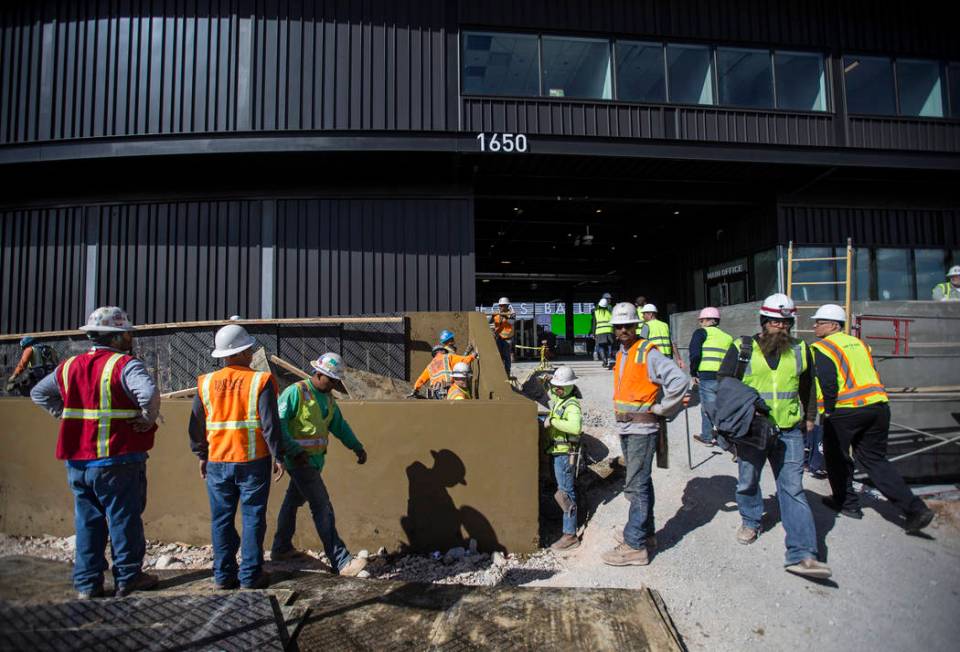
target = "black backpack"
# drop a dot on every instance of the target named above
(762, 432)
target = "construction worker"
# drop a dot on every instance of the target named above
(603, 332)
(640, 302)
(641, 374)
(563, 427)
(856, 417)
(36, 361)
(234, 430)
(107, 404)
(708, 345)
(780, 369)
(460, 389)
(949, 290)
(438, 372)
(658, 333)
(502, 324)
(308, 415)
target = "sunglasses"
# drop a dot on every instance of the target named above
(623, 327)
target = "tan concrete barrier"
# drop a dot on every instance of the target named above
(409, 493)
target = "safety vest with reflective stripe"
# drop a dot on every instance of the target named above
(95, 422)
(457, 393)
(714, 348)
(309, 427)
(563, 442)
(602, 317)
(858, 383)
(780, 387)
(440, 370)
(633, 391)
(950, 293)
(658, 332)
(230, 398)
(502, 326)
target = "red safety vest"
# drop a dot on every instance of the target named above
(96, 409)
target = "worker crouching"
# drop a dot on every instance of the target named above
(563, 426)
(460, 389)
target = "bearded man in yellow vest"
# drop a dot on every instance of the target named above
(308, 416)
(780, 369)
(234, 430)
(856, 417)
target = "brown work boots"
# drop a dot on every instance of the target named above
(353, 568)
(566, 542)
(624, 555)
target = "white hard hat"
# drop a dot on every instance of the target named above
(230, 340)
(461, 370)
(563, 377)
(603, 303)
(330, 365)
(830, 312)
(953, 271)
(624, 313)
(778, 306)
(107, 319)
(648, 308)
(504, 301)
(235, 317)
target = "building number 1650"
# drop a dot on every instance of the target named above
(502, 142)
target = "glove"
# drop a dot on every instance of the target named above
(361, 456)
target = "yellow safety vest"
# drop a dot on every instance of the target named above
(457, 393)
(780, 387)
(603, 316)
(562, 442)
(309, 427)
(658, 333)
(714, 348)
(857, 379)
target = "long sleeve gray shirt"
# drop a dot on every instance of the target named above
(135, 380)
(673, 384)
(269, 422)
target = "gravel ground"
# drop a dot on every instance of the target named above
(889, 591)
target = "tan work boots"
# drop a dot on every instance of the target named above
(624, 555)
(354, 567)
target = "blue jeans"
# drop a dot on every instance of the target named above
(638, 487)
(786, 460)
(246, 483)
(708, 405)
(108, 499)
(563, 472)
(306, 486)
(815, 444)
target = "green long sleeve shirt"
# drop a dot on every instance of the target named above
(571, 422)
(289, 405)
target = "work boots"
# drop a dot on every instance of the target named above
(143, 582)
(353, 568)
(650, 543)
(566, 542)
(624, 555)
(809, 568)
(918, 521)
(747, 535)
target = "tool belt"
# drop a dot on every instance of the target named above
(636, 417)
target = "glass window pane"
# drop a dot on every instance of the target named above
(576, 67)
(920, 91)
(929, 270)
(745, 77)
(869, 83)
(953, 72)
(892, 283)
(765, 273)
(640, 73)
(800, 81)
(690, 70)
(860, 281)
(814, 272)
(500, 64)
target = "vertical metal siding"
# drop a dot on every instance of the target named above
(898, 227)
(42, 263)
(352, 256)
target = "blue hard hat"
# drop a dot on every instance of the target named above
(445, 336)
(27, 341)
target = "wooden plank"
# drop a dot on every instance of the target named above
(180, 393)
(283, 364)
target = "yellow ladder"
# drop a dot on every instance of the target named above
(848, 258)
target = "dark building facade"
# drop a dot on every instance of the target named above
(195, 159)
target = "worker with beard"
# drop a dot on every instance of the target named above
(780, 368)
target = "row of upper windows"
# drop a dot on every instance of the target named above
(530, 65)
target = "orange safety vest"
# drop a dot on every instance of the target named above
(633, 391)
(230, 398)
(456, 393)
(502, 326)
(857, 379)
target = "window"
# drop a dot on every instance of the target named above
(765, 273)
(690, 74)
(919, 87)
(816, 272)
(953, 77)
(869, 83)
(892, 281)
(640, 73)
(577, 67)
(745, 77)
(860, 273)
(800, 81)
(929, 270)
(501, 64)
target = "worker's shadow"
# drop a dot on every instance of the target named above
(433, 521)
(703, 499)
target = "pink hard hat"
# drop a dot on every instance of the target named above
(709, 313)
